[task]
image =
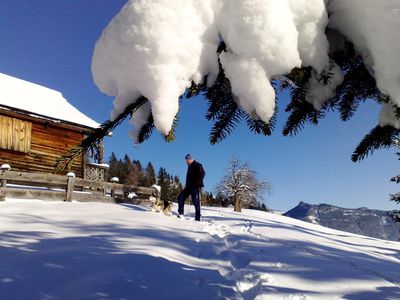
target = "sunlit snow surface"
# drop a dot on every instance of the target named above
(58, 250)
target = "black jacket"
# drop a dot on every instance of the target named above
(194, 176)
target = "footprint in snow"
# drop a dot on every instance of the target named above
(280, 265)
(296, 297)
(234, 244)
(238, 260)
(215, 229)
(246, 281)
(248, 225)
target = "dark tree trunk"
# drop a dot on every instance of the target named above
(238, 204)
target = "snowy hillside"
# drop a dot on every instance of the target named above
(108, 251)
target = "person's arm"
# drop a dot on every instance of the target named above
(202, 172)
(200, 175)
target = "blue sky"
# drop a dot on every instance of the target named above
(51, 43)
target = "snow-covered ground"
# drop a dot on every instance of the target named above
(57, 250)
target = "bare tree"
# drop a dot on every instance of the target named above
(241, 186)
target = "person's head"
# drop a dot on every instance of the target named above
(189, 159)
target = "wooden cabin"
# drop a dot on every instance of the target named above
(37, 126)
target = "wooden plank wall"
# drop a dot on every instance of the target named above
(5, 129)
(48, 142)
(15, 134)
(22, 135)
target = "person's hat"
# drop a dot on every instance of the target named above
(188, 156)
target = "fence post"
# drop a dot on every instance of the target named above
(113, 191)
(70, 188)
(3, 184)
(114, 180)
(104, 190)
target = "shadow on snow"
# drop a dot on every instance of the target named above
(95, 264)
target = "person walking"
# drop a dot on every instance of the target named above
(194, 182)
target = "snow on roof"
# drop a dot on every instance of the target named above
(39, 100)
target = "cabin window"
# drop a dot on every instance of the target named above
(15, 135)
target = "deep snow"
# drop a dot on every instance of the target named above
(58, 250)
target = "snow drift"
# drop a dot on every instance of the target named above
(157, 48)
(51, 250)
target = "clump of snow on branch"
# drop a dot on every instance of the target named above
(250, 84)
(388, 117)
(319, 92)
(374, 29)
(156, 48)
(311, 19)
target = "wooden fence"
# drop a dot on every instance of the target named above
(50, 187)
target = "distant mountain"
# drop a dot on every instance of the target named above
(364, 221)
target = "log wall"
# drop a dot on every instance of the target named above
(49, 141)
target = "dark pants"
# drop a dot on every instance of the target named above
(195, 194)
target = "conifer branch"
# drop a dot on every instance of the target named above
(147, 130)
(379, 137)
(91, 144)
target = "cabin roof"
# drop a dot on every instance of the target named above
(39, 101)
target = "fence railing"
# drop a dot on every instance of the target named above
(15, 184)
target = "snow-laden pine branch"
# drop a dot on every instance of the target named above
(157, 48)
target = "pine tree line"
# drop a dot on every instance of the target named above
(132, 172)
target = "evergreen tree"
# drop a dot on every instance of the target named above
(261, 207)
(125, 169)
(162, 181)
(175, 187)
(139, 165)
(208, 199)
(223, 200)
(141, 174)
(150, 175)
(117, 168)
(132, 175)
(127, 166)
(170, 185)
(120, 171)
(113, 166)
